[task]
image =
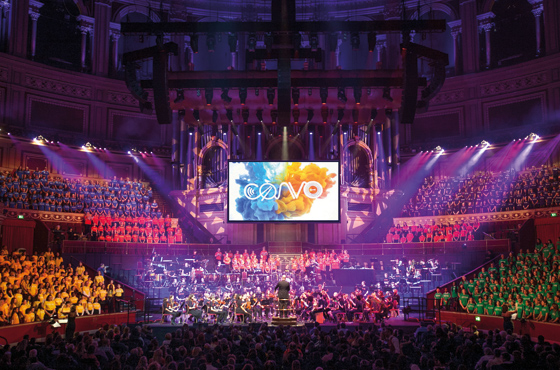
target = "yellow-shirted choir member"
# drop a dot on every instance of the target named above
(40, 287)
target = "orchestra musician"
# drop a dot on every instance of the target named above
(171, 307)
(192, 308)
(241, 307)
(216, 307)
(283, 288)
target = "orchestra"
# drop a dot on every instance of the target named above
(311, 305)
(241, 287)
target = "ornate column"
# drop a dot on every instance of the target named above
(85, 27)
(456, 29)
(485, 24)
(551, 19)
(115, 32)
(380, 45)
(469, 36)
(100, 46)
(4, 24)
(19, 26)
(538, 10)
(34, 7)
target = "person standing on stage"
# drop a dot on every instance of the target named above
(283, 288)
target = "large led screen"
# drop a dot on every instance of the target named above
(283, 191)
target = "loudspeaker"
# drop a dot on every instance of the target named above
(410, 88)
(135, 89)
(161, 92)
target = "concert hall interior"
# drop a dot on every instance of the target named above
(279, 184)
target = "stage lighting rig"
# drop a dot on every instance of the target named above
(324, 94)
(245, 114)
(214, 116)
(180, 96)
(355, 40)
(357, 94)
(387, 94)
(260, 115)
(229, 114)
(309, 115)
(324, 114)
(196, 114)
(225, 95)
(211, 41)
(340, 114)
(209, 95)
(270, 95)
(194, 43)
(484, 143)
(342, 95)
(295, 95)
(373, 114)
(372, 41)
(243, 95)
(314, 41)
(252, 41)
(295, 114)
(274, 115)
(355, 115)
(232, 42)
(532, 136)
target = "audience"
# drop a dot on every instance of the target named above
(432, 233)
(37, 190)
(39, 287)
(483, 192)
(264, 347)
(526, 286)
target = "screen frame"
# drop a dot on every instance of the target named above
(289, 220)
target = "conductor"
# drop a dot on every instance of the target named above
(283, 288)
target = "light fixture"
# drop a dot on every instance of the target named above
(295, 114)
(378, 128)
(324, 93)
(232, 42)
(270, 95)
(372, 41)
(194, 43)
(243, 95)
(357, 94)
(225, 95)
(314, 41)
(180, 96)
(355, 115)
(245, 115)
(252, 41)
(274, 115)
(260, 115)
(211, 41)
(373, 114)
(309, 115)
(485, 143)
(268, 41)
(196, 114)
(387, 94)
(214, 116)
(355, 40)
(295, 95)
(324, 114)
(340, 114)
(342, 95)
(229, 114)
(209, 95)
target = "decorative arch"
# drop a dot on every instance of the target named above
(444, 8)
(487, 6)
(81, 7)
(292, 143)
(212, 171)
(135, 9)
(353, 164)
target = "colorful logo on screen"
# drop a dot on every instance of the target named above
(282, 190)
